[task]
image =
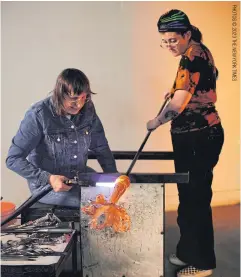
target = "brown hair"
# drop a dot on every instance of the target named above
(69, 81)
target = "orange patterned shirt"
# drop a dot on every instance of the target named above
(196, 74)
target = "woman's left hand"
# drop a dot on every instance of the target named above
(152, 124)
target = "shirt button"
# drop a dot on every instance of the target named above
(72, 126)
(75, 141)
(75, 156)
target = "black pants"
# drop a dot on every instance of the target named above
(197, 153)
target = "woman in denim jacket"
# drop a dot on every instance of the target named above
(54, 137)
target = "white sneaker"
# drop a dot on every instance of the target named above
(191, 271)
(173, 259)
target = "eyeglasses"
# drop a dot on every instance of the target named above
(171, 42)
(82, 100)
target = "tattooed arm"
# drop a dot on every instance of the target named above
(186, 81)
(172, 109)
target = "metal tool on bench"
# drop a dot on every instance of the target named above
(38, 230)
(53, 253)
(32, 245)
(17, 258)
(30, 257)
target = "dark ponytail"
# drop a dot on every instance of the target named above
(196, 34)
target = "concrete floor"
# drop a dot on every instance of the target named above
(227, 241)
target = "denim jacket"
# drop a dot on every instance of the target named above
(47, 143)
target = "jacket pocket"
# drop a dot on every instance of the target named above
(85, 137)
(56, 145)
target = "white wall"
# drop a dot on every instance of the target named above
(117, 45)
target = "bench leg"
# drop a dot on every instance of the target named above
(74, 255)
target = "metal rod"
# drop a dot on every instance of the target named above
(144, 142)
(93, 178)
(17, 258)
(74, 253)
(144, 155)
(80, 241)
(29, 202)
(45, 230)
(34, 256)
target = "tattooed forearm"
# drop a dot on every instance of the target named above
(170, 115)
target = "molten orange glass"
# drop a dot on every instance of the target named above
(115, 216)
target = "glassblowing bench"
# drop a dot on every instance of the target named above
(137, 252)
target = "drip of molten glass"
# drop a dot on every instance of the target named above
(115, 216)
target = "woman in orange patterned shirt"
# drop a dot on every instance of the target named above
(197, 138)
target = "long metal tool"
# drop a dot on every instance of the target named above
(39, 230)
(145, 140)
(17, 258)
(29, 202)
